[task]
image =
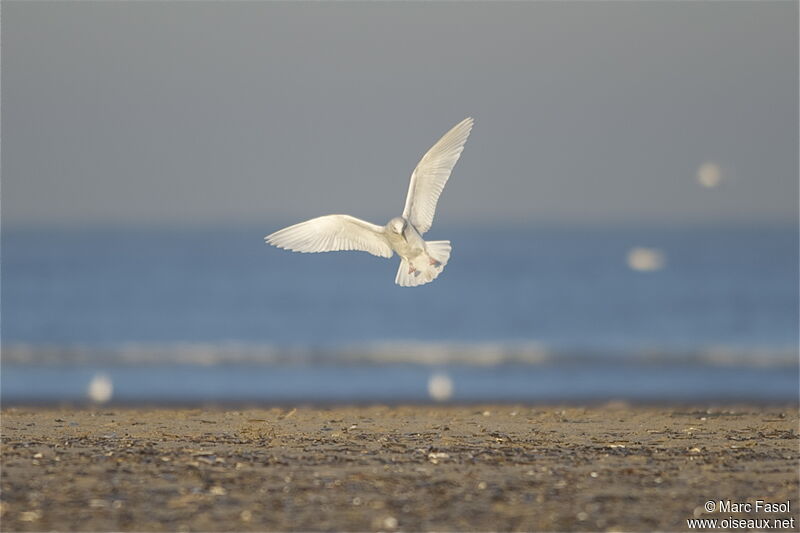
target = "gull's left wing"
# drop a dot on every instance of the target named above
(431, 175)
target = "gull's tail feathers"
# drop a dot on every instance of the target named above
(425, 267)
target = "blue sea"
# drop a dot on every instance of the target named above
(213, 315)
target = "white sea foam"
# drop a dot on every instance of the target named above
(487, 354)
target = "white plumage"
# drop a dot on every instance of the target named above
(431, 175)
(332, 233)
(421, 261)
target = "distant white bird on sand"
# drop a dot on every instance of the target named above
(421, 261)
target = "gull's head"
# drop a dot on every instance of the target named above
(397, 225)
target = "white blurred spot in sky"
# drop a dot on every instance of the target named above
(100, 388)
(645, 259)
(440, 387)
(709, 175)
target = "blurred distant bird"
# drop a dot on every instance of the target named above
(421, 261)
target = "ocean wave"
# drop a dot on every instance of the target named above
(486, 354)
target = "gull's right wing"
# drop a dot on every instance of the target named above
(332, 233)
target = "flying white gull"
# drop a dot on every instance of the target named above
(421, 261)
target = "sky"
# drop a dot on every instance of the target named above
(201, 113)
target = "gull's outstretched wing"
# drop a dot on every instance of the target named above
(431, 174)
(332, 233)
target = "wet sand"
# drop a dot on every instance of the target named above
(416, 468)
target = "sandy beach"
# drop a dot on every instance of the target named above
(414, 468)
